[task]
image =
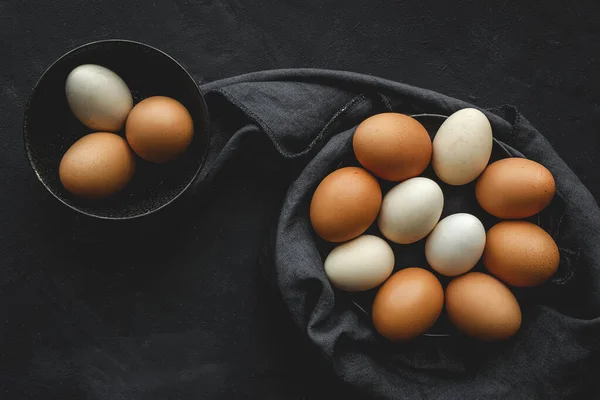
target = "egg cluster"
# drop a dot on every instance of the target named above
(396, 147)
(158, 129)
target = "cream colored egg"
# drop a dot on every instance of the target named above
(410, 210)
(462, 147)
(98, 97)
(360, 264)
(456, 244)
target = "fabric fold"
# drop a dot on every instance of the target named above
(309, 117)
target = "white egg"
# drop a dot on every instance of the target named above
(456, 244)
(410, 210)
(360, 264)
(98, 97)
(462, 147)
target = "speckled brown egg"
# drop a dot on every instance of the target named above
(481, 306)
(392, 146)
(514, 188)
(407, 304)
(345, 204)
(520, 253)
(97, 165)
(159, 129)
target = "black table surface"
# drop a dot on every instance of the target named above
(543, 58)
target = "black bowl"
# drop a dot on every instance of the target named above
(50, 128)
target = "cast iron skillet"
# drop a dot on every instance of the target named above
(50, 128)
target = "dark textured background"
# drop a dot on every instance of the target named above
(79, 321)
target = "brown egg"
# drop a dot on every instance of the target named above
(482, 307)
(97, 165)
(520, 253)
(407, 304)
(159, 129)
(392, 146)
(515, 188)
(345, 204)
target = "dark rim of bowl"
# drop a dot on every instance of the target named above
(26, 141)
